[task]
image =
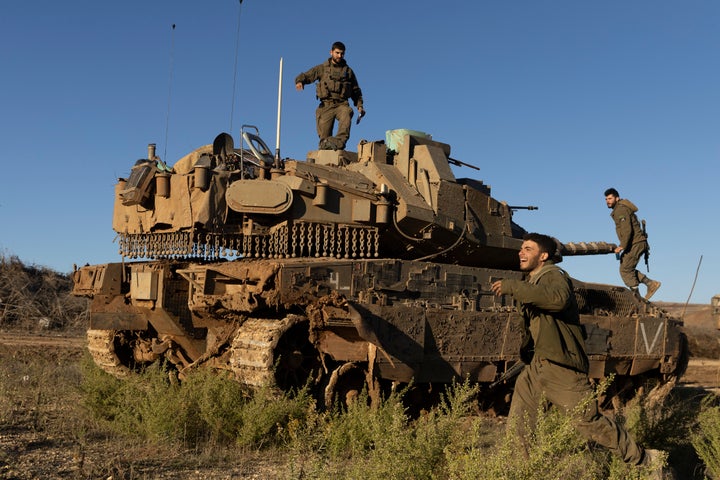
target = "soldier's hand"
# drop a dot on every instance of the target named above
(361, 112)
(496, 287)
(299, 86)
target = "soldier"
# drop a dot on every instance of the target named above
(557, 370)
(336, 83)
(633, 242)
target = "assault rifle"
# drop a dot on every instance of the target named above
(511, 373)
(647, 250)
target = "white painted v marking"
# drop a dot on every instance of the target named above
(649, 348)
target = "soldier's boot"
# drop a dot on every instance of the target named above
(654, 465)
(331, 143)
(652, 287)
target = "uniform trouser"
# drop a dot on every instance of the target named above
(566, 388)
(325, 116)
(628, 264)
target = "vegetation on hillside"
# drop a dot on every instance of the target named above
(34, 298)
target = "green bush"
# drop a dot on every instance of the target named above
(151, 406)
(268, 418)
(706, 439)
(381, 442)
(555, 450)
(206, 408)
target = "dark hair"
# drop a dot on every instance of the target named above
(612, 191)
(338, 46)
(547, 244)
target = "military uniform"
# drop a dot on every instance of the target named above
(336, 84)
(632, 240)
(558, 364)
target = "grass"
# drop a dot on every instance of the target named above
(150, 423)
(706, 437)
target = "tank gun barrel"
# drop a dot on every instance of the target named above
(587, 248)
(458, 163)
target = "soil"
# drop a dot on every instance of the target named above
(29, 451)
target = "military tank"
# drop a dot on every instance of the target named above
(344, 270)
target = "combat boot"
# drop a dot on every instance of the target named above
(653, 463)
(652, 287)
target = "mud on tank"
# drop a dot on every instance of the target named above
(351, 270)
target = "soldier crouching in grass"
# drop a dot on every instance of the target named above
(557, 370)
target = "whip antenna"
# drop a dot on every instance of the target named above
(277, 133)
(691, 289)
(167, 118)
(237, 49)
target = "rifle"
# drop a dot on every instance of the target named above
(508, 375)
(647, 250)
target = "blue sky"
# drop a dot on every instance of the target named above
(554, 100)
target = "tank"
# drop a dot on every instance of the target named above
(343, 271)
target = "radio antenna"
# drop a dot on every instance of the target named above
(167, 118)
(279, 108)
(237, 50)
(692, 288)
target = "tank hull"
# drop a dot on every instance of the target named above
(284, 322)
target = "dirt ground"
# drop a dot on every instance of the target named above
(704, 342)
(30, 451)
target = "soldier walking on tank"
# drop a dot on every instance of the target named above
(336, 84)
(554, 351)
(633, 242)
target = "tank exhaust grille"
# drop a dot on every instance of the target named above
(610, 301)
(298, 239)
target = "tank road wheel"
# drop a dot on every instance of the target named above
(274, 353)
(101, 345)
(347, 382)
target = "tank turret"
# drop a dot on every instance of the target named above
(400, 202)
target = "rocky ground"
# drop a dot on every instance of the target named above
(46, 447)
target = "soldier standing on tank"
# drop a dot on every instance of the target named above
(336, 83)
(633, 242)
(554, 350)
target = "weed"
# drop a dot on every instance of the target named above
(706, 438)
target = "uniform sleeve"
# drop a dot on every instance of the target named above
(310, 76)
(551, 293)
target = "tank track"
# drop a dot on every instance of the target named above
(101, 345)
(253, 354)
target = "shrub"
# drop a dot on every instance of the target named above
(382, 442)
(206, 408)
(33, 298)
(706, 439)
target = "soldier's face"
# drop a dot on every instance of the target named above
(611, 200)
(531, 258)
(336, 54)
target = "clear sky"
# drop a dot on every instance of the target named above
(554, 100)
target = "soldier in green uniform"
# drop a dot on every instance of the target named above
(336, 84)
(633, 242)
(554, 350)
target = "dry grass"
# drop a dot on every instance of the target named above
(37, 298)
